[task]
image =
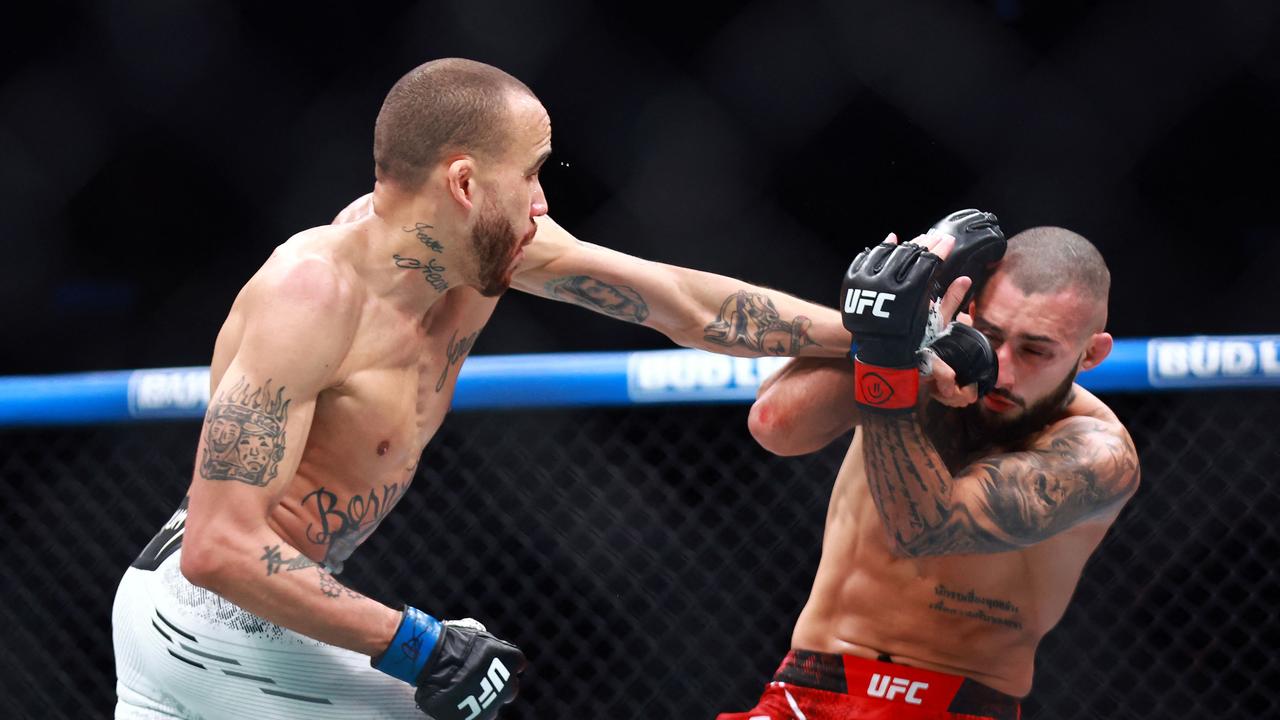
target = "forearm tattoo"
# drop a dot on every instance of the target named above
(329, 585)
(1000, 503)
(276, 562)
(620, 301)
(244, 434)
(750, 319)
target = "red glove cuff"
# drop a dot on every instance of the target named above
(886, 388)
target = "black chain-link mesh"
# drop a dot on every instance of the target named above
(652, 561)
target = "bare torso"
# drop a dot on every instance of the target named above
(371, 427)
(980, 615)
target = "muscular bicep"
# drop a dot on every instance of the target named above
(293, 340)
(1081, 470)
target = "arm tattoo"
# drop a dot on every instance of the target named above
(455, 353)
(244, 434)
(276, 562)
(329, 585)
(1004, 502)
(620, 301)
(751, 319)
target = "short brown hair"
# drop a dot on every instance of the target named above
(440, 107)
(1051, 259)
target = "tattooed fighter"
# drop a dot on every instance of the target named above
(333, 370)
(958, 525)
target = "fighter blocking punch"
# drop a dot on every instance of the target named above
(891, 303)
(993, 493)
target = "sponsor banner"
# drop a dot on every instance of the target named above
(695, 376)
(1223, 361)
(169, 393)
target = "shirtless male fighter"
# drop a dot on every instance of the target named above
(333, 370)
(957, 528)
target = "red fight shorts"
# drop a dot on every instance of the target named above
(822, 686)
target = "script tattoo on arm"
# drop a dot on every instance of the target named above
(244, 434)
(620, 301)
(1076, 471)
(329, 585)
(276, 562)
(750, 319)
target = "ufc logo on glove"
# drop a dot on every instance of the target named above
(857, 300)
(489, 688)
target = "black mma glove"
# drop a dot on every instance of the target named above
(885, 304)
(969, 353)
(979, 246)
(461, 670)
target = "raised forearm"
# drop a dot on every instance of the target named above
(266, 576)
(910, 484)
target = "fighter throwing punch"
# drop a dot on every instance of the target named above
(333, 370)
(965, 508)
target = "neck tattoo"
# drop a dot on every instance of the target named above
(432, 271)
(420, 229)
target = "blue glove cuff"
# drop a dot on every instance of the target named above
(411, 647)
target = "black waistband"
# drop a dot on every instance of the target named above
(166, 542)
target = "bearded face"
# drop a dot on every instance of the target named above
(496, 243)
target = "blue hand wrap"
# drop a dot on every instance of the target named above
(411, 647)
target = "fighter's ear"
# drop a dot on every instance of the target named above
(461, 179)
(1097, 350)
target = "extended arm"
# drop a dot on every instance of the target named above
(1081, 468)
(298, 321)
(693, 308)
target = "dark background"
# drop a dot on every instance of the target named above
(152, 153)
(651, 560)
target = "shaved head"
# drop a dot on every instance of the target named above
(1051, 260)
(445, 106)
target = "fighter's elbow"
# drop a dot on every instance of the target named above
(774, 430)
(206, 562)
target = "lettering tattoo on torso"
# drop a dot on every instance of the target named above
(751, 320)
(340, 527)
(244, 438)
(970, 604)
(455, 353)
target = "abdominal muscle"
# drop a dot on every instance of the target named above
(976, 616)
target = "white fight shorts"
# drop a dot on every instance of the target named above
(184, 652)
